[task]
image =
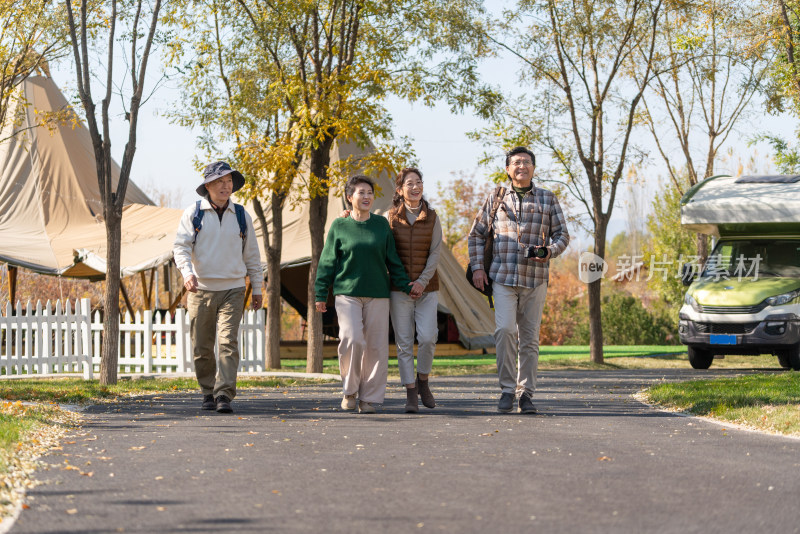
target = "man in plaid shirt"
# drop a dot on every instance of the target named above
(527, 216)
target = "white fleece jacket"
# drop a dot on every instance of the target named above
(217, 258)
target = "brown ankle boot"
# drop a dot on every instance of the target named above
(425, 393)
(412, 406)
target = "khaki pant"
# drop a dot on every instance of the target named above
(517, 315)
(411, 316)
(363, 346)
(216, 314)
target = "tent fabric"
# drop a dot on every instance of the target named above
(727, 200)
(50, 203)
(473, 317)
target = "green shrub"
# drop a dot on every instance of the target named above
(627, 322)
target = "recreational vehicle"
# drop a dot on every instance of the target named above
(746, 298)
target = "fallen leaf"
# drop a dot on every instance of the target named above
(137, 448)
(72, 511)
(603, 459)
(248, 444)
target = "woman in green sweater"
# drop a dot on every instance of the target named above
(358, 260)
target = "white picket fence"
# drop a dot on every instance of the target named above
(57, 339)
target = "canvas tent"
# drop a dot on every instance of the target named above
(464, 313)
(50, 204)
(735, 204)
(51, 218)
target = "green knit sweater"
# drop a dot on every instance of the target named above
(355, 260)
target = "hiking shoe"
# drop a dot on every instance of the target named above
(506, 403)
(224, 404)
(349, 402)
(365, 407)
(525, 404)
(412, 404)
(208, 403)
(425, 393)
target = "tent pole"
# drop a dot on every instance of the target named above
(12, 284)
(167, 274)
(177, 300)
(145, 296)
(150, 289)
(125, 296)
(247, 294)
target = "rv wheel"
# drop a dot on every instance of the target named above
(792, 357)
(699, 358)
(783, 360)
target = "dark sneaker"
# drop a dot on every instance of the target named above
(208, 403)
(525, 404)
(224, 404)
(506, 403)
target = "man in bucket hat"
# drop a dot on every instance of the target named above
(216, 247)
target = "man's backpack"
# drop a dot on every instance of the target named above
(197, 221)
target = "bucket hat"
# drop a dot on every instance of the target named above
(216, 170)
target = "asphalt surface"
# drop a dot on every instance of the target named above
(593, 460)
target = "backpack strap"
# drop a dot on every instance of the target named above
(197, 220)
(242, 220)
(499, 193)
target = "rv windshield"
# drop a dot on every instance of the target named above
(754, 258)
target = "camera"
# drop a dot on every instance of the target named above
(535, 251)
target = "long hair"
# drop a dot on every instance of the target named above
(397, 198)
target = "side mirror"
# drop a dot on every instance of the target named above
(688, 273)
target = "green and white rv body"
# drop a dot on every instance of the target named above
(746, 300)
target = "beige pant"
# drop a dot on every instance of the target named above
(363, 346)
(411, 316)
(517, 315)
(216, 314)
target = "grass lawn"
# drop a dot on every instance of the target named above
(768, 402)
(568, 357)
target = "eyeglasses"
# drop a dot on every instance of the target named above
(520, 163)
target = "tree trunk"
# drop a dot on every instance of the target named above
(111, 318)
(318, 214)
(316, 225)
(702, 249)
(595, 297)
(273, 290)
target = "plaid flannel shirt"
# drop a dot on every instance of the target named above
(513, 233)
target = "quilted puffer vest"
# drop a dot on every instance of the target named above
(413, 242)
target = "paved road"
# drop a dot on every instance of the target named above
(594, 460)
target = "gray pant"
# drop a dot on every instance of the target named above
(409, 315)
(363, 346)
(215, 314)
(517, 314)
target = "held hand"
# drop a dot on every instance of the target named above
(191, 284)
(543, 260)
(416, 290)
(257, 301)
(321, 307)
(479, 279)
(345, 214)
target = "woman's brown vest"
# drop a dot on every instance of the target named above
(413, 242)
